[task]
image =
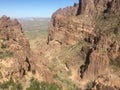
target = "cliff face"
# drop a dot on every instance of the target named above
(65, 23)
(66, 27)
(14, 49)
(61, 27)
(95, 22)
(89, 7)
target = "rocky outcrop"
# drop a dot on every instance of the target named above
(106, 82)
(93, 24)
(14, 49)
(65, 25)
(90, 7)
(67, 12)
(96, 65)
(61, 28)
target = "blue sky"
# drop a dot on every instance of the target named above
(32, 8)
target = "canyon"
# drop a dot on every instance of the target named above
(81, 51)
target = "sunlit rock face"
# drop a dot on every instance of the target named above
(66, 26)
(95, 24)
(90, 7)
(14, 49)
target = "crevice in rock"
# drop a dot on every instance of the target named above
(109, 5)
(29, 67)
(79, 8)
(84, 67)
(96, 40)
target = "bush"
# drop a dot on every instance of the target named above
(36, 85)
(9, 54)
(10, 85)
(3, 46)
(70, 85)
(5, 54)
(89, 85)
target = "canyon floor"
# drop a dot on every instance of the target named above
(51, 60)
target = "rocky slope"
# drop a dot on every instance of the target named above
(95, 24)
(14, 50)
(20, 67)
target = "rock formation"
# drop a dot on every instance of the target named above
(61, 27)
(90, 29)
(106, 82)
(90, 7)
(14, 49)
(95, 22)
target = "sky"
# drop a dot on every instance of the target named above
(32, 8)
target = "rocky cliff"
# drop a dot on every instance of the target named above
(90, 7)
(66, 23)
(96, 25)
(14, 50)
(61, 28)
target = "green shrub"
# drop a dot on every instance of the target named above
(6, 54)
(3, 46)
(10, 85)
(36, 85)
(89, 85)
(71, 86)
(98, 20)
(107, 24)
(9, 54)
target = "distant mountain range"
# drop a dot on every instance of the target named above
(33, 22)
(33, 19)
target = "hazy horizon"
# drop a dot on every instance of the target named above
(32, 8)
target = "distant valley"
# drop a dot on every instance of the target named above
(35, 28)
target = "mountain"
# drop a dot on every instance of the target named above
(94, 27)
(82, 51)
(14, 50)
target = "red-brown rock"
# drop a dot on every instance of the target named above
(15, 49)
